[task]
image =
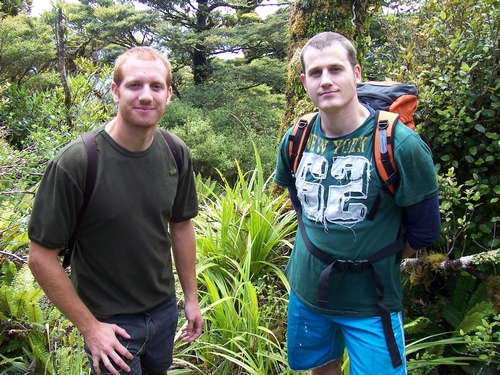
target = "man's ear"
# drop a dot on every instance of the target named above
(114, 91)
(169, 94)
(357, 74)
(303, 80)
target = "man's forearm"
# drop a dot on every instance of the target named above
(50, 275)
(184, 251)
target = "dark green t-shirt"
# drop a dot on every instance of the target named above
(122, 263)
(337, 184)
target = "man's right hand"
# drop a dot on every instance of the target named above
(104, 346)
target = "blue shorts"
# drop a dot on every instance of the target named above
(151, 339)
(314, 340)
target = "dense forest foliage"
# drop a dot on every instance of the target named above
(234, 92)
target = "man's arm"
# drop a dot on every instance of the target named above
(423, 225)
(99, 337)
(184, 251)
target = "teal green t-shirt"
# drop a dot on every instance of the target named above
(337, 184)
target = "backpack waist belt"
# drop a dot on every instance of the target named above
(359, 266)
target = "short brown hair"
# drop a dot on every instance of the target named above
(141, 53)
(326, 39)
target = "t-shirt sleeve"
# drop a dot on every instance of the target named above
(283, 176)
(58, 198)
(415, 165)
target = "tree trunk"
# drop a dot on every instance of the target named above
(62, 66)
(348, 17)
(201, 68)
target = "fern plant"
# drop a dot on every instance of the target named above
(466, 330)
(21, 316)
(34, 337)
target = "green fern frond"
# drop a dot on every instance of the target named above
(24, 280)
(485, 307)
(475, 316)
(471, 322)
(31, 308)
(418, 325)
(7, 304)
(12, 345)
(52, 313)
(463, 287)
(40, 352)
(9, 270)
(480, 295)
(452, 314)
(3, 317)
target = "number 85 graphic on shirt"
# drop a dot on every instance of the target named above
(348, 179)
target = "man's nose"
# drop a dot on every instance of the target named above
(145, 94)
(326, 80)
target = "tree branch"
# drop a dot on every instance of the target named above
(468, 263)
(11, 255)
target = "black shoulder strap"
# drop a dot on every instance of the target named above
(91, 150)
(173, 147)
(90, 179)
(298, 139)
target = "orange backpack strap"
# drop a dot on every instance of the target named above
(298, 139)
(383, 154)
(383, 147)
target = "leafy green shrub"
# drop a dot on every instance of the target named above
(449, 49)
(219, 136)
(207, 148)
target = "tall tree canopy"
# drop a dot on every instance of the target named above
(25, 48)
(200, 30)
(193, 33)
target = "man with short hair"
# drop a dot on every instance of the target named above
(336, 184)
(122, 298)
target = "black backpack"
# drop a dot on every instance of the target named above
(90, 179)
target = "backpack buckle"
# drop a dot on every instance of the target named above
(383, 124)
(302, 123)
(392, 179)
(352, 265)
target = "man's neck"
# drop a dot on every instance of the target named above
(340, 122)
(134, 139)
